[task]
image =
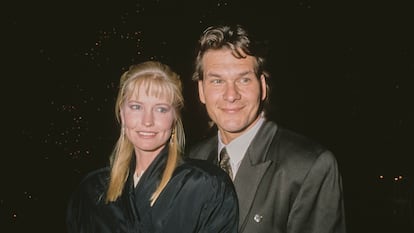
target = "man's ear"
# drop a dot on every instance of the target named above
(201, 92)
(264, 86)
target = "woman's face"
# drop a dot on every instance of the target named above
(148, 121)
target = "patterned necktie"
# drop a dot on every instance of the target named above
(225, 162)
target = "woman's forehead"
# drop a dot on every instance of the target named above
(159, 92)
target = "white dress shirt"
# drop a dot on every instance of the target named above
(237, 148)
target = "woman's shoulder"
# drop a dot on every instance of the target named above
(95, 182)
(205, 170)
(201, 179)
(97, 175)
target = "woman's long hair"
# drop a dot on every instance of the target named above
(160, 81)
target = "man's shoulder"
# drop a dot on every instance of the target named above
(284, 138)
(297, 141)
(295, 148)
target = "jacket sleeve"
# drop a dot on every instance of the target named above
(318, 207)
(77, 214)
(81, 209)
(221, 214)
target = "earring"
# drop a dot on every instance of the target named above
(172, 136)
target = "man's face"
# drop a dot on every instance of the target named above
(231, 92)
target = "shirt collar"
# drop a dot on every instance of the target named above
(238, 147)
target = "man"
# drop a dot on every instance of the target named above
(285, 182)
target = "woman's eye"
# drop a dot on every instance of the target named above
(162, 109)
(135, 106)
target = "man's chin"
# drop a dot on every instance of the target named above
(234, 128)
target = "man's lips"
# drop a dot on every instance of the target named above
(231, 110)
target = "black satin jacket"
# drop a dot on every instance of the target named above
(200, 197)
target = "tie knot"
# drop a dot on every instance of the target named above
(223, 155)
(225, 162)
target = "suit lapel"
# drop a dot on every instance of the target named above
(246, 185)
(252, 168)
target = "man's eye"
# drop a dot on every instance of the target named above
(244, 80)
(216, 81)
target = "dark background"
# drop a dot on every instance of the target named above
(341, 74)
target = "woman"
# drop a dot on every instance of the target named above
(148, 187)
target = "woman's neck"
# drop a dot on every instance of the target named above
(144, 159)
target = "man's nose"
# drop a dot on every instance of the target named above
(231, 93)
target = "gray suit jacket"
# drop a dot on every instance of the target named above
(286, 183)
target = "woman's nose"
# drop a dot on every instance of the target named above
(148, 119)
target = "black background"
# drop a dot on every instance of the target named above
(341, 74)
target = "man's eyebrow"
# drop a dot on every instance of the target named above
(212, 74)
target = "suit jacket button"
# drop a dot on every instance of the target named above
(258, 218)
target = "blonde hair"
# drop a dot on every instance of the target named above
(160, 81)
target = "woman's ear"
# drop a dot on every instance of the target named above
(121, 116)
